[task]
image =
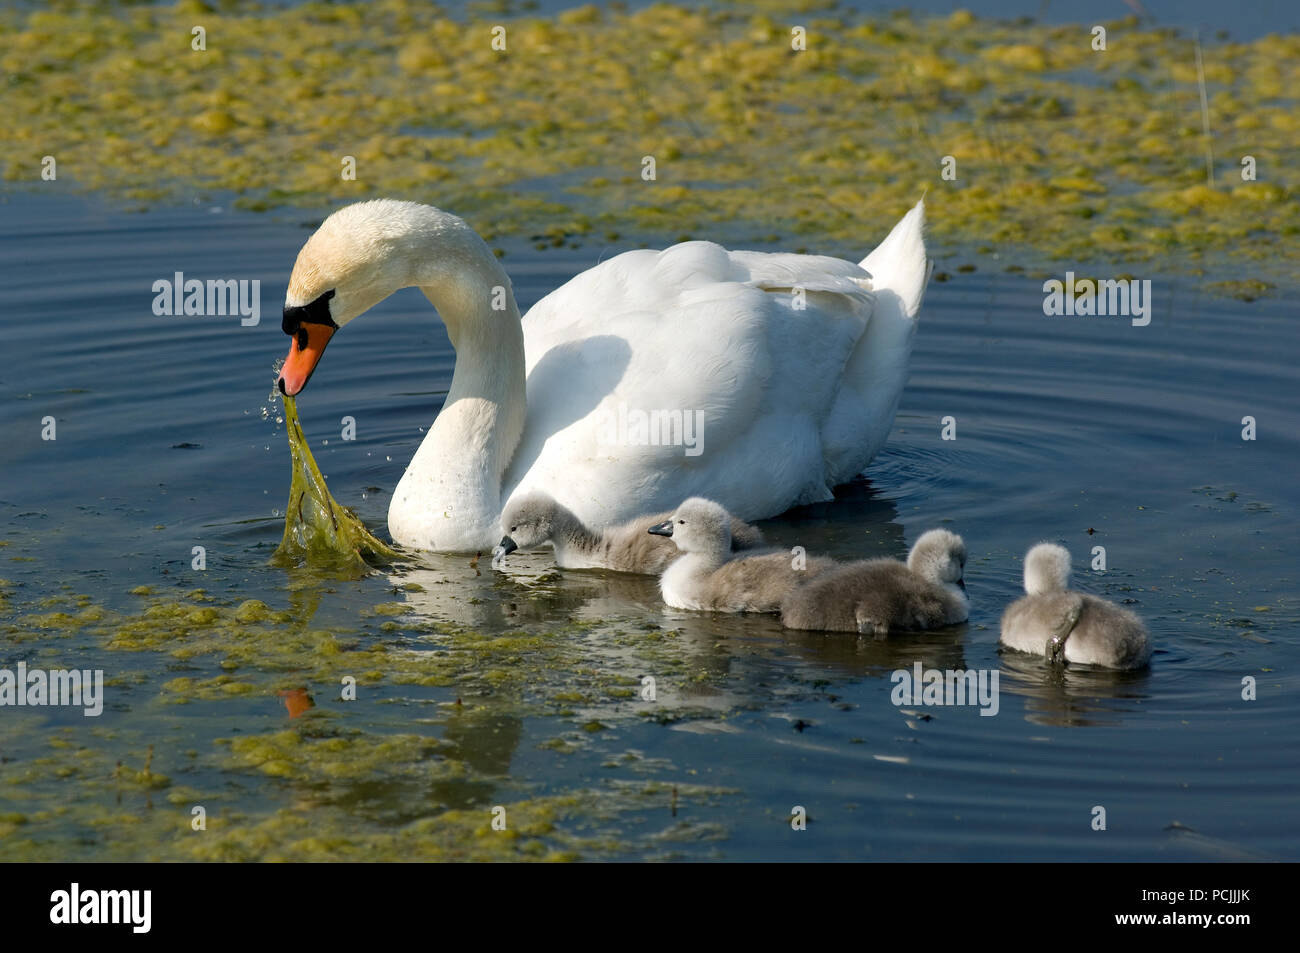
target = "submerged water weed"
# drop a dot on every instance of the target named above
(317, 530)
(1060, 150)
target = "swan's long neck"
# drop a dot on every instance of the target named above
(449, 499)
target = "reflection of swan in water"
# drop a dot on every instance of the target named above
(486, 741)
(620, 613)
(532, 592)
(879, 658)
(1072, 696)
(617, 609)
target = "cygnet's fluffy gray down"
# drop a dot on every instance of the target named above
(1052, 621)
(875, 596)
(536, 518)
(710, 577)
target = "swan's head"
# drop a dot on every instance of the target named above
(1047, 569)
(528, 521)
(940, 557)
(698, 526)
(360, 255)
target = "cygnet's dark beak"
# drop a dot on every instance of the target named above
(662, 529)
(962, 584)
(507, 546)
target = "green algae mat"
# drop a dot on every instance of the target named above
(670, 122)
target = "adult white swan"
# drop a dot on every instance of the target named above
(759, 380)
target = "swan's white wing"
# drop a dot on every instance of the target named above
(694, 333)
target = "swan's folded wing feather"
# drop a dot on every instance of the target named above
(834, 277)
(626, 360)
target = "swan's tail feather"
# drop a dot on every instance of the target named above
(873, 379)
(899, 263)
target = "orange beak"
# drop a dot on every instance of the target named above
(304, 354)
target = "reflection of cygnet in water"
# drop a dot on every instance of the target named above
(875, 596)
(536, 518)
(1077, 627)
(709, 576)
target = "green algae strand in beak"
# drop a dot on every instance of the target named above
(317, 530)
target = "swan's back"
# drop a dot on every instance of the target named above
(742, 363)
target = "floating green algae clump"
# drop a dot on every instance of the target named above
(1061, 151)
(316, 528)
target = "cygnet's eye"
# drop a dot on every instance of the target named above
(681, 522)
(513, 528)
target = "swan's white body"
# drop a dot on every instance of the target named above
(790, 400)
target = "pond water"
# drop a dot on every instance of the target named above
(478, 688)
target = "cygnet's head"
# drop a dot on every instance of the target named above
(698, 526)
(528, 521)
(939, 556)
(1047, 569)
